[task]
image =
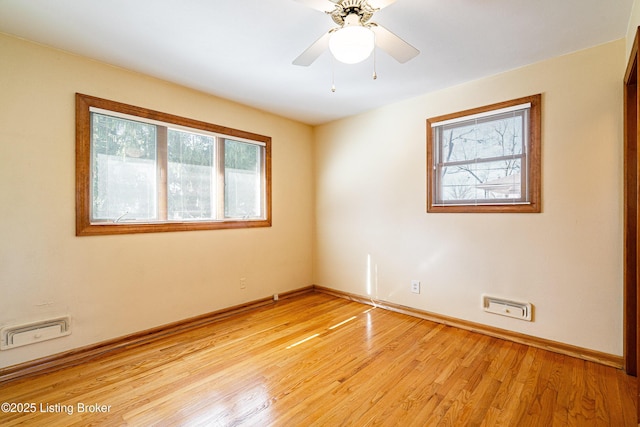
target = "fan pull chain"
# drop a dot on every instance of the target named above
(375, 75)
(333, 75)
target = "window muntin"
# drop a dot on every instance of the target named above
(486, 160)
(143, 171)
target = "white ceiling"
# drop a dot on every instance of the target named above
(242, 49)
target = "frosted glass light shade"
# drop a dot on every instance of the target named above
(352, 44)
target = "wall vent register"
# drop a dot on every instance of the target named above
(504, 307)
(30, 333)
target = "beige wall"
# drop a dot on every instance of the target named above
(116, 285)
(567, 261)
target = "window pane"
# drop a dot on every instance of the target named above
(495, 136)
(497, 181)
(190, 178)
(123, 170)
(242, 179)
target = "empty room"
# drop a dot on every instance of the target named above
(319, 213)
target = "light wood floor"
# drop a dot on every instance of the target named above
(325, 361)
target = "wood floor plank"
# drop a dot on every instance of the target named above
(563, 389)
(318, 360)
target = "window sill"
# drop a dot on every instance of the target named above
(101, 229)
(510, 208)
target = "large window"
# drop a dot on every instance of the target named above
(139, 170)
(486, 159)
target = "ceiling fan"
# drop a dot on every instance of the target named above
(356, 37)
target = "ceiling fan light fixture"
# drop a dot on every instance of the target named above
(352, 44)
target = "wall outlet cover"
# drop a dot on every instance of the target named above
(415, 286)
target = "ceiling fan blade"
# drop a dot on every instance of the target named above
(321, 5)
(380, 4)
(393, 45)
(314, 51)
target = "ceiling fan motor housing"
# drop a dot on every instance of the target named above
(361, 8)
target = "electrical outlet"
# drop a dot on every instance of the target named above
(243, 283)
(415, 286)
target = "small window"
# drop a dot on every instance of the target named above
(141, 171)
(486, 159)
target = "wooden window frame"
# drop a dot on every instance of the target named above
(84, 225)
(533, 165)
